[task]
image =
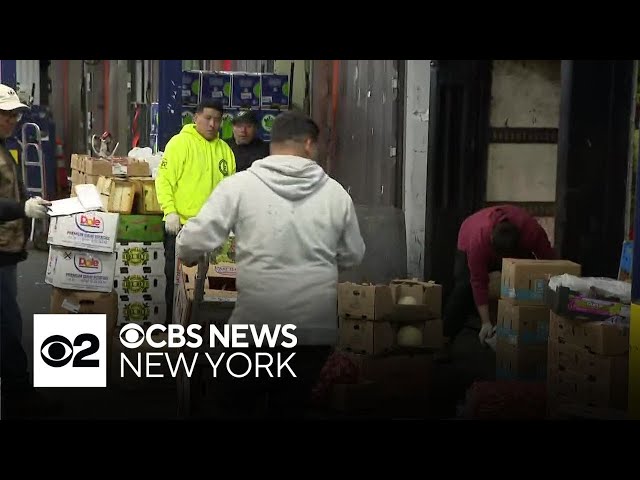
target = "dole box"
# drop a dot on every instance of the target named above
(88, 230)
(80, 269)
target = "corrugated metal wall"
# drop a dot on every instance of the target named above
(365, 158)
(27, 75)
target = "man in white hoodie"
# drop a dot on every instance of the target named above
(295, 228)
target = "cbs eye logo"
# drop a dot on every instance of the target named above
(132, 335)
(57, 351)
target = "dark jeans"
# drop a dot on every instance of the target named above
(460, 303)
(13, 359)
(265, 396)
(169, 270)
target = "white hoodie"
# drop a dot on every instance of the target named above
(294, 227)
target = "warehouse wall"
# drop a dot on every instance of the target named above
(360, 150)
(297, 92)
(416, 133)
(28, 74)
(525, 94)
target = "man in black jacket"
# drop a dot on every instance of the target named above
(245, 144)
(15, 208)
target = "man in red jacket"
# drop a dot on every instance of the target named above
(485, 238)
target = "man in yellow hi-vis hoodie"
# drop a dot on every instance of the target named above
(194, 162)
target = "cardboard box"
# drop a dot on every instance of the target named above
(141, 311)
(371, 302)
(524, 281)
(140, 228)
(365, 336)
(565, 356)
(80, 269)
(605, 386)
(246, 90)
(130, 167)
(520, 363)
(137, 284)
(140, 257)
(191, 87)
(428, 296)
(275, 90)
(89, 230)
(265, 123)
(73, 301)
(522, 324)
(97, 167)
(569, 304)
(217, 86)
(374, 337)
(603, 337)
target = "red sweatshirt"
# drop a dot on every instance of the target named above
(475, 240)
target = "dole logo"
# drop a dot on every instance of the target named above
(88, 264)
(88, 222)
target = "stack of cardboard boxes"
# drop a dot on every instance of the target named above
(390, 371)
(522, 327)
(588, 358)
(81, 265)
(126, 188)
(140, 282)
(267, 94)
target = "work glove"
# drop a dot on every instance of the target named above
(36, 207)
(172, 224)
(492, 342)
(487, 331)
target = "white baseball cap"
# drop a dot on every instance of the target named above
(9, 99)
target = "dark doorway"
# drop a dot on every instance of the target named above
(457, 157)
(593, 155)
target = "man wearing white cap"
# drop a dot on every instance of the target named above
(17, 392)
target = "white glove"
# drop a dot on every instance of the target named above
(172, 223)
(487, 331)
(492, 342)
(36, 207)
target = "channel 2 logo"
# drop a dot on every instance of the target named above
(69, 350)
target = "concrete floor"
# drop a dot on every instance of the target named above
(471, 362)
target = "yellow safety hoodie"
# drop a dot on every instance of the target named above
(191, 168)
